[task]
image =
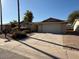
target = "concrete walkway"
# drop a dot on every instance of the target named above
(41, 46)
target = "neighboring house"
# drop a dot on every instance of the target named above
(69, 28)
(23, 24)
(76, 25)
(32, 26)
(5, 26)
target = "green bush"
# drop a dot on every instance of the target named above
(19, 35)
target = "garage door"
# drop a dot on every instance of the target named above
(52, 28)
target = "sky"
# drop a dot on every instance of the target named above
(41, 9)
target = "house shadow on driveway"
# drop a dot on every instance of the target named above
(70, 33)
(73, 33)
(65, 46)
(70, 40)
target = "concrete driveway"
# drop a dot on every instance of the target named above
(5, 54)
(44, 46)
(72, 42)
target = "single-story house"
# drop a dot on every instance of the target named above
(50, 25)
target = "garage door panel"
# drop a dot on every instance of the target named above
(53, 28)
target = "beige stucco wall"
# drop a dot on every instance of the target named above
(53, 27)
(76, 25)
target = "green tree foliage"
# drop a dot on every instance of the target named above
(28, 16)
(74, 15)
(13, 23)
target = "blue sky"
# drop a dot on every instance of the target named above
(42, 9)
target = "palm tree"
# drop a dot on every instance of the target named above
(18, 4)
(28, 16)
(74, 15)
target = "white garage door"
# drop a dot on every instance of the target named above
(52, 28)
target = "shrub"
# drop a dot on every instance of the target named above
(19, 35)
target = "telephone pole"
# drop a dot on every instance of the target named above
(18, 5)
(1, 16)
